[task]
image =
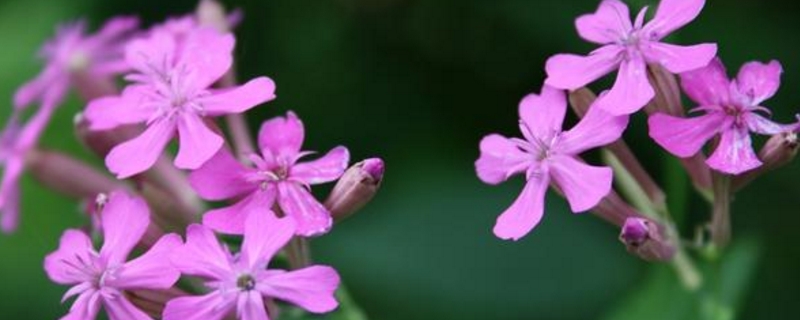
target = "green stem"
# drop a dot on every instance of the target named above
(720, 227)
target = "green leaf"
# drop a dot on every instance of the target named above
(661, 296)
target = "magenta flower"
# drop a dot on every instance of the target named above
(15, 142)
(102, 278)
(731, 110)
(97, 56)
(629, 47)
(171, 95)
(548, 153)
(277, 176)
(242, 282)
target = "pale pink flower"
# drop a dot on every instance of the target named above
(629, 47)
(101, 278)
(548, 153)
(730, 109)
(99, 55)
(242, 282)
(278, 176)
(15, 142)
(171, 94)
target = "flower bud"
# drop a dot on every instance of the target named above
(68, 175)
(212, 13)
(355, 188)
(646, 239)
(101, 142)
(779, 151)
(668, 94)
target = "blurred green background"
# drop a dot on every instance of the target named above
(419, 82)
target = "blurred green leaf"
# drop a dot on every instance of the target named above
(660, 295)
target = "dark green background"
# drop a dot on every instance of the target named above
(419, 82)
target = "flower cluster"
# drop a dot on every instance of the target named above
(178, 83)
(647, 72)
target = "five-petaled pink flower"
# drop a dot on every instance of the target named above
(171, 94)
(71, 51)
(102, 278)
(15, 142)
(277, 176)
(548, 153)
(731, 110)
(242, 282)
(629, 48)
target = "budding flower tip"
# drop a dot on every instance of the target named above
(635, 232)
(374, 167)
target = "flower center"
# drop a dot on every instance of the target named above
(246, 282)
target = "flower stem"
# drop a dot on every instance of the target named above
(720, 227)
(299, 253)
(687, 272)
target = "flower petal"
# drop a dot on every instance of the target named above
(684, 137)
(10, 194)
(708, 86)
(672, 15)
(198, 143)
(231, 219)
(221, 177)
(62, 265)
(152, 270)
(569, 71)
(631, 90)
(326, 169)
(241, 98)
(679, 59)
(202, 255)
(281, 136)
(310, 288)
(153, 55)
(526, 212)
(597, 128)
(125, 219)
(543, 114)
(759, 81)
(250, 306)
(734, 153)
(611, 22)
(500, 159)
(583, 185)
(119, 308)
(265, 235)
(35, 89)
(208, 53)
(212, 306)
(297, 202)
(113, 111)
(85, 307)
(759, 124)
(139, 154)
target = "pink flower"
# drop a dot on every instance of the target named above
(629, 47)
(548, 153)
(242, 282)
(102, 278)
(171, 95)
(277, 176)
(99, 55)
(730, 109)
(15, 142)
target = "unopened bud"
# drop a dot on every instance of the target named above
(647, 240)
(779, 151)
(68, 175)
(212, 13)
(667, 97)
(101, 142)
(355, 188)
